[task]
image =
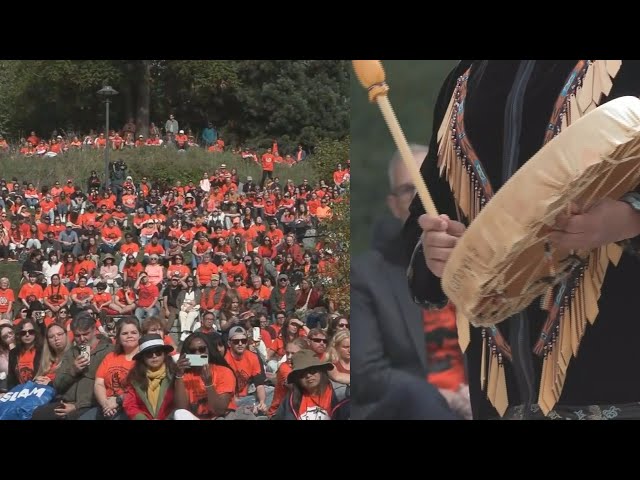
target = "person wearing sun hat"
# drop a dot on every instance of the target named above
(311, 396)
(150, 393)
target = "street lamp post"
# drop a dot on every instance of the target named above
(107, 92)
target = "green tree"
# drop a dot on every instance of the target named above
(336, 235)
(328, 154)
(295, 101)
(251, 101)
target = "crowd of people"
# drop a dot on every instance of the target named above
(197, 301)
(130, 137)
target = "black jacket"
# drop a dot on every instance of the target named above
(389, 354)
(609, 358)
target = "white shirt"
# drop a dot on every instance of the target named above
(49, 270)
(205, 185)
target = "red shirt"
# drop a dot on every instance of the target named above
(146, 295)
(446, 364)
(224, 381)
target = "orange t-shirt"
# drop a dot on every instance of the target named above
(201, 248)
(129, 248)
(6, 296)
(28, 290)
(245, 369)
(232, 270)
(55, 295)
(224, 381)
(114, 370)
(267, 162)
(100, 298)
(87, 265)
(446, 363)
(205, 271)
(316, 407)
(150, 249)
(111, 233)
(281, 389)
(82, 293)
(181, 270)
(132, 271)
(26, 370)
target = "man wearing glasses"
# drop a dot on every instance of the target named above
(249, 372)
(390, 355)
(283, 296)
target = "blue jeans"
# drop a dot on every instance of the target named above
(95, 413)
(252, 399)
(142, 313)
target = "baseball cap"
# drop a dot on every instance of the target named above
(237, 331)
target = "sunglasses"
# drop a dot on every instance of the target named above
(283, 280)
(297, 325)
(239, 341)
(202, 349)
(343, 325)
(24, 333)
(154, 353)
(320, 340)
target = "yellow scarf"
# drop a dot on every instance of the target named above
(155, 379)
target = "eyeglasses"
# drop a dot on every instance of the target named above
(404, 189)
(24, 333)
(319, 340)
(202, 349)
(239, 341)
(343, 325)
(154, 353)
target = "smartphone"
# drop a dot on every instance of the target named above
(85, 351)
(197, 359)
(255, 334)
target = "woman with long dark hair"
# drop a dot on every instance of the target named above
(311, 396)
(150, 391)
(25, 358)
(56, 295)
(203, 392)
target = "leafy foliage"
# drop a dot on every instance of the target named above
(250, 101)
(328, 154)
(337, 237)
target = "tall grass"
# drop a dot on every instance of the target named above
(156, 163)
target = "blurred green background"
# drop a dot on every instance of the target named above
(414, 86)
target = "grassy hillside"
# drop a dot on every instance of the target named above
(162, 164)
